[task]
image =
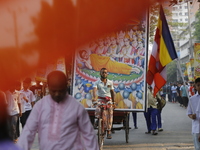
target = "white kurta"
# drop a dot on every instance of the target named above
(61, 126)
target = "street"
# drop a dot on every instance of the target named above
(176, 134)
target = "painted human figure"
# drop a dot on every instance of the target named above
(113, 49)
(126, 50)
(141, 53)
(101, 48)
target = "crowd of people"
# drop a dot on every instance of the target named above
(179, 92)
(20, 105)
(20, 99)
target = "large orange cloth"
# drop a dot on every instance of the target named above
(99, 62)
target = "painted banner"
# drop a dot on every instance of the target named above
(189, 66)
(197, 60)
(124, 55)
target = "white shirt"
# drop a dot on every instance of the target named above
(31, 98)
(173, 88)
(12, 100)
(103, 90)
(60, 126)
(194, 105)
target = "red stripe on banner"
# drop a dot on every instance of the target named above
(159, 82)
(152, 70)
(152, 64)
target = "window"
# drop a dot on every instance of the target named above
(175, 14)
(180, 14)
(175, 20)
(186, 19)
(186, 13)
(180, 19)
(174, 8)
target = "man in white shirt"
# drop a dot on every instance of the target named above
(14, 110)
(61, 122)
(104, 92)
(193, 112)
(27, 99)
(174, 93)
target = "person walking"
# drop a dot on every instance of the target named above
(27, 100)
(60, 121)
(193, 112)
(134, 114)
(174, 93)
(184, 95)
(150, 115)
(6, 143)
(14, 110)
(179, 98)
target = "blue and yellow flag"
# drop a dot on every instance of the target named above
(163, 52)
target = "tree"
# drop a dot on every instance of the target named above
(197, 26)
(153, 17)
(172, 72)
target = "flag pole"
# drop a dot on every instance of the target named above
(179, 68)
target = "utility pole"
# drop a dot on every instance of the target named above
(190, 35)
(14, 16)
(15, 23)
(15, 29)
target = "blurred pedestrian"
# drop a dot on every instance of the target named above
(174, 93)
(191, 89)
(184, 95)
(193, 112)
(151, 113)
(161, 104)
(169, 94)
(27, 100)
(17, 91)
(61, 121)
(5, 141)
(179, 98)
(37, 90)
(134, 114)
(14, 110)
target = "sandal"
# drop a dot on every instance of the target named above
(154, 133)
(109, 136)
(147, 132)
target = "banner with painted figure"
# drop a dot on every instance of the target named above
(189, 66)
(124, 56)
(197, 60)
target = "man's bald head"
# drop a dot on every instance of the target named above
(56, 75)
(57, 83)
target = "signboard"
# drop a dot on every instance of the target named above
(189, 66)
(124, 55)
(197, 60)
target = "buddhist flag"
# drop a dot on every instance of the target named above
(163, 52)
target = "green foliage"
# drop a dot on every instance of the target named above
(153, 18)
(196, 33)
(172, 72)
(177, 26)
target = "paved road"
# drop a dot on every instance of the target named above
(176, 134)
